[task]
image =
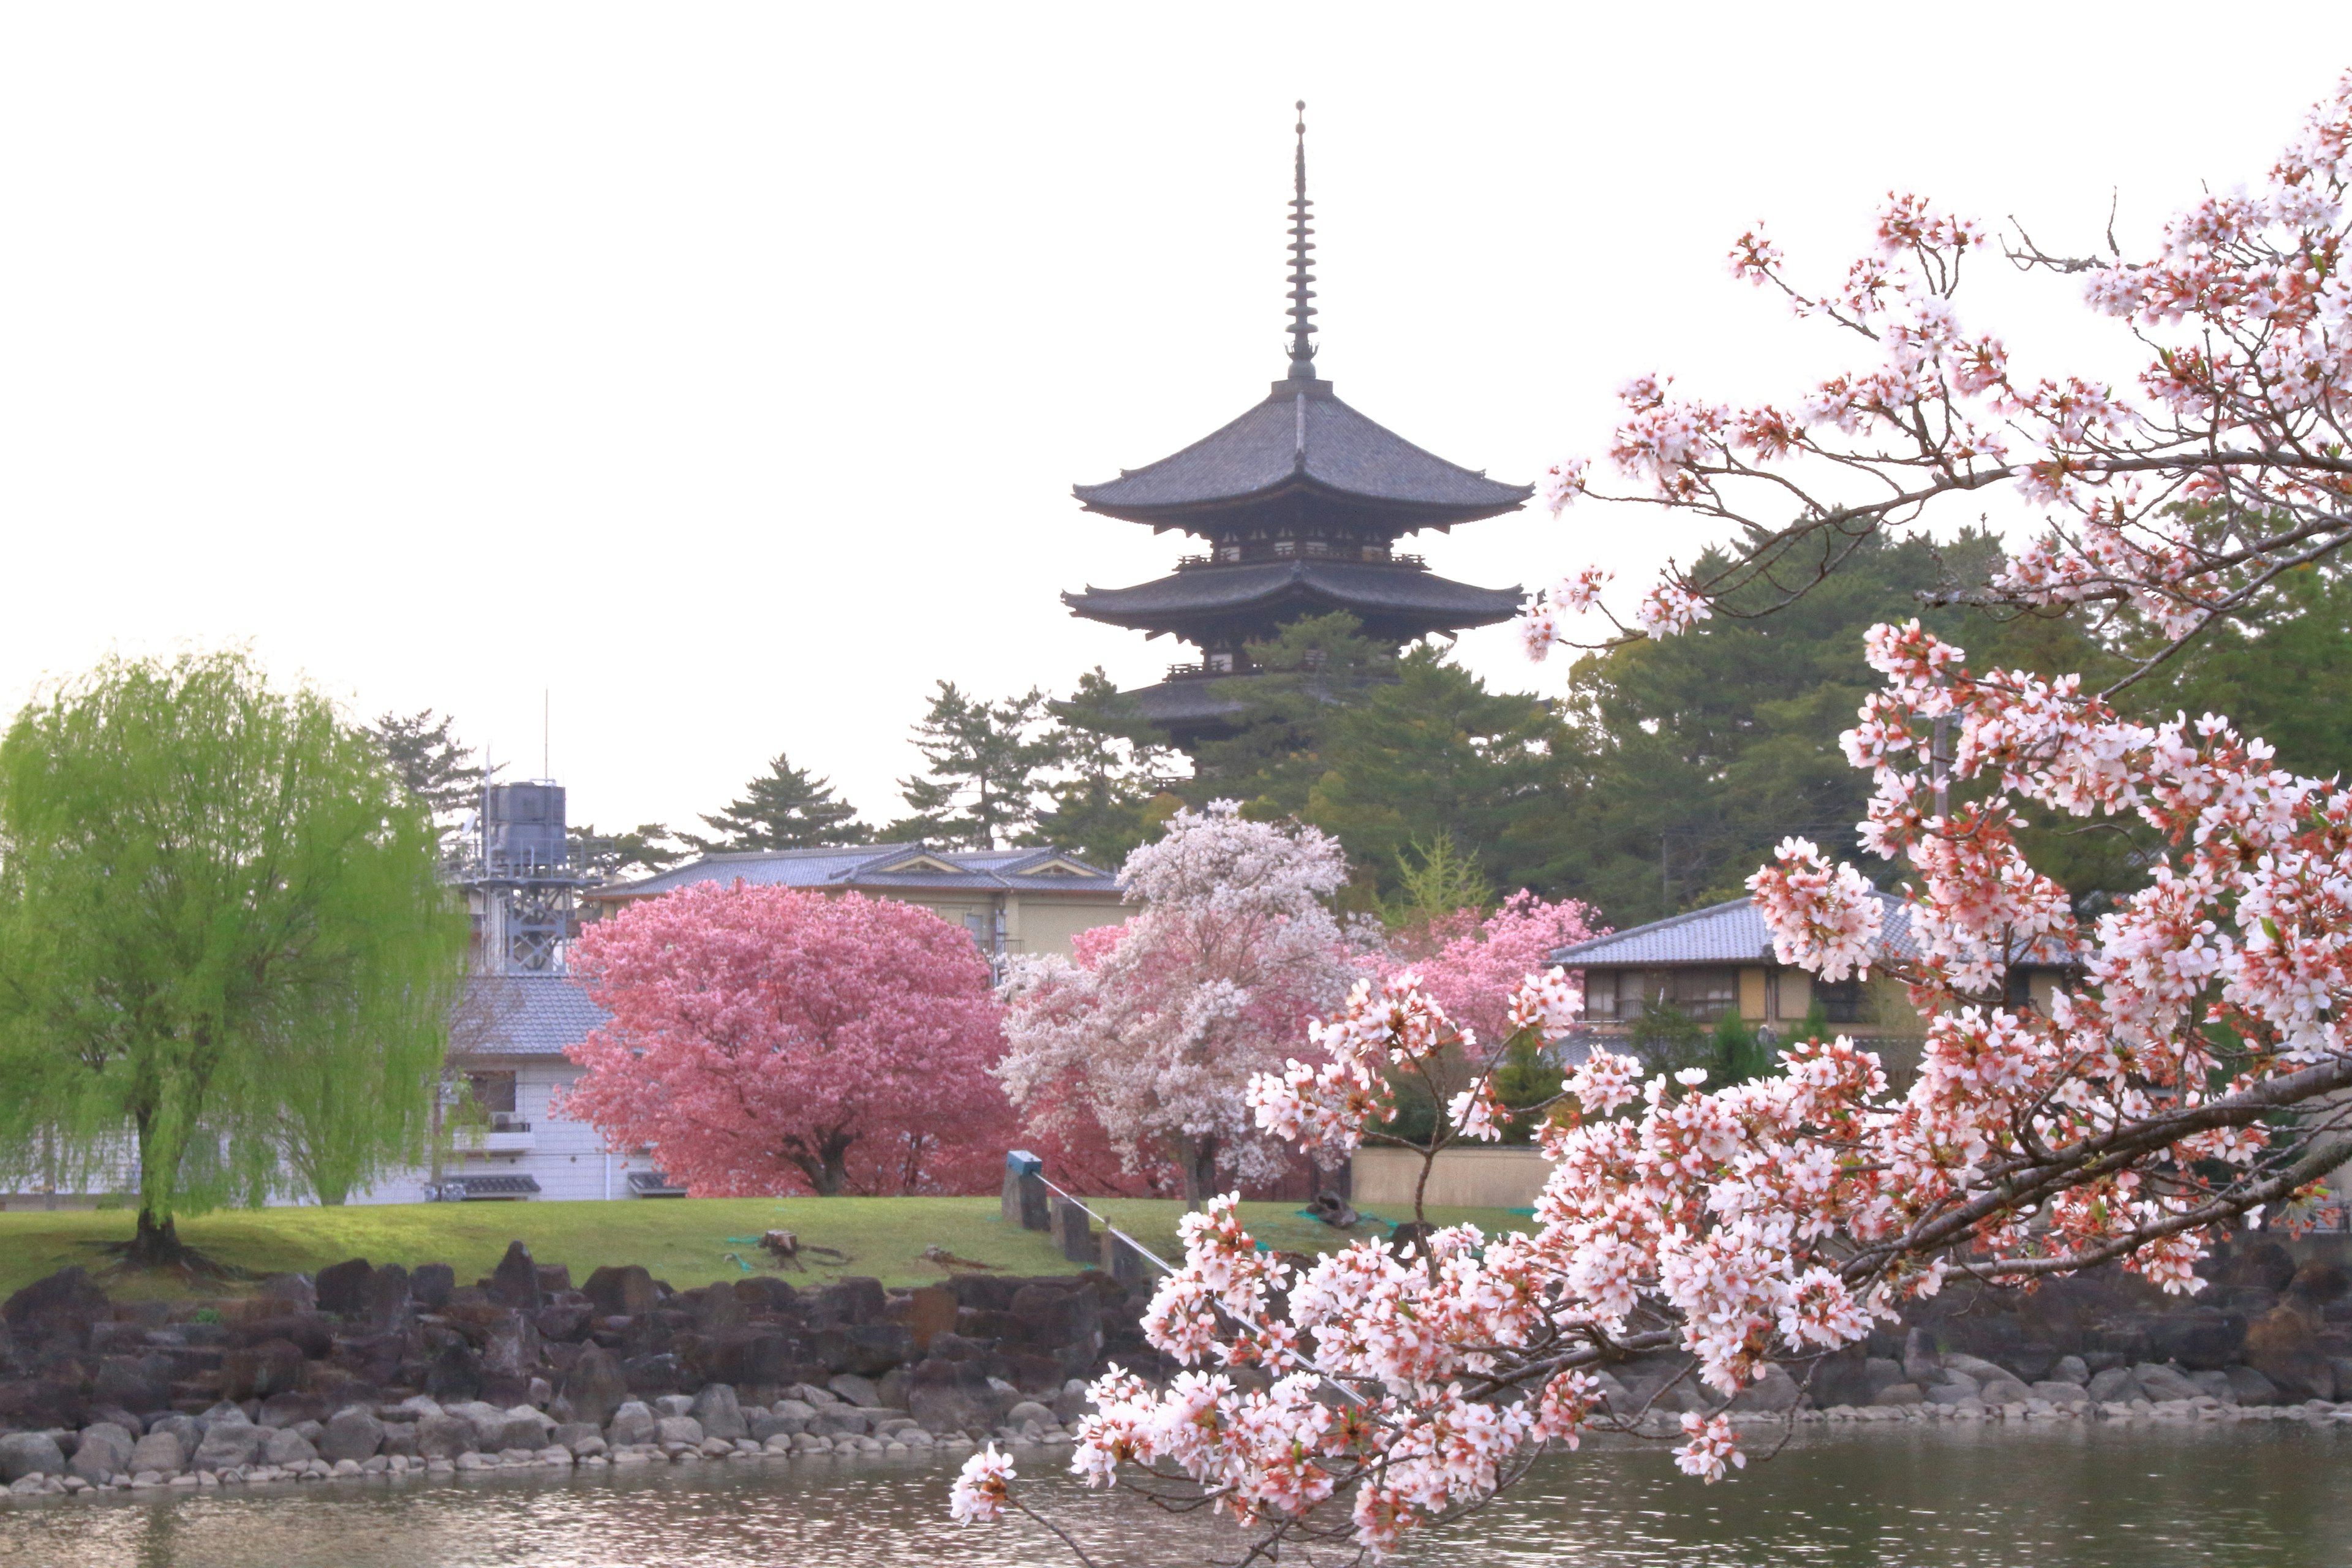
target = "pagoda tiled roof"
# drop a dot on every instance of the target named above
(1369, 589)
(1302, 437)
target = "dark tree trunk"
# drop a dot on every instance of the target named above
(157, 1245)
(1199, 1164)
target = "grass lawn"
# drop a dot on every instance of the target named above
(683, 1240)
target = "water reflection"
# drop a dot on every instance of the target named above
(1934, 1498)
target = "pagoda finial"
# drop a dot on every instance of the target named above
(1302, 348)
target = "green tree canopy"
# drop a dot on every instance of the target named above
(639, 851)
(1114, 772)
(985, 760)
(223, 945)
(431, 762)
(784, 808)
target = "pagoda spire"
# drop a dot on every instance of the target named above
(1302, 273)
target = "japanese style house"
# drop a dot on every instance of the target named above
(1300, 504)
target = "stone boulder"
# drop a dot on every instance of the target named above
(2116, 1385)
(103, 1453)
(26, 1454)
(868, 1350)
(227, 1443)
(2160, 1383)
(595, 1385)
(852, 1389)
(161, 1451)
(853, 1301)
(522, 1427)
(432, 1286)
(2250, 1387)
(2058, 1390)
(632, 1422)
(1976, 1369)
(952, 1396)
(443, 1437)
(515, 1282)
(2283, 1344)
(389, 1304)
(788, 1418)
(623, 1292)
(353, 1433)
(678, 1429)
(2070, 1369)
(1900, 1394)
(137, 1384)
(2265, 1265)
(1775, 1391)
(347, 1289)
(716, 1408)
(2005, 1390)
(273, 1366)
(288, 1447)
(62, 1304)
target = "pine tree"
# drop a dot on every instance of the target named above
(784, 808)
(985, 758)
(1113, 792)
(429, 762)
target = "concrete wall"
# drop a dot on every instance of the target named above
(1469, 1178)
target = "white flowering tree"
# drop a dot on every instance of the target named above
(2192, 1074)
(1155, 1026)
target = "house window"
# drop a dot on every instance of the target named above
(492, 1091)
(1845, 1001)
(1621, 994)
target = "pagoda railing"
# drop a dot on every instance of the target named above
(1257, 553)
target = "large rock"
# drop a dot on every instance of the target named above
(852, 1389)
(2283, 1344)
(678, 1429)
(526, 1427)
(623, 1292)
(353, 1433)
(65, 1303)
(2070, 1369)
(1900, 1394)
(432, 1286)
(443, 1437)
(136, 1383)
(273, 1366)
(26, 1454)
(288, 1447)
(952, 1396)
(161, 1451)
(1775, 1391)
(228, 1444)
(2266, 1265)
(2160, 1383)
(388, 1304)
(2116, 1385)
(2250, 1387)
(1920, 1362)
(513, 1350)
(632, 1423)
(721, 1417)
(346, 1289)
(851, 1302)
(2058, 1390)
(2004, 1390)
(515, 1282)
(595, 1385)
(868, 1350)
(103, 1452)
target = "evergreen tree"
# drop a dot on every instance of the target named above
(985, 762)
(1300, 680)
(1112, 793)
(430, 764)
(784, 808)
(639, 851)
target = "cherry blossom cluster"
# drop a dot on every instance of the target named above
(2180, 500)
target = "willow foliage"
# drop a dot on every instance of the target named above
(223, 946)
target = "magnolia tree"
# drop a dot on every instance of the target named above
(1155, 1026)
(2192, 1076)
(764, 1039)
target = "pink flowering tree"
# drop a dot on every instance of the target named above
(767, 1040)
(2193, 1077)
(1153, 1028)
(1470, 964)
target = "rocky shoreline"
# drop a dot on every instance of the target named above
(378, 1373)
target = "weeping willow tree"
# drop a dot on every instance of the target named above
(223, 947)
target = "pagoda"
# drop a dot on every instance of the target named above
(1300, 503)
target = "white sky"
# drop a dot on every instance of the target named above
(724, 370)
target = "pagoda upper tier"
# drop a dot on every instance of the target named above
(1301, 502)
(1301, 465)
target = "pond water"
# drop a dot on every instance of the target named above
(1935, 1497)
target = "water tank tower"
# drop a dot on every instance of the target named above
(520, 878)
